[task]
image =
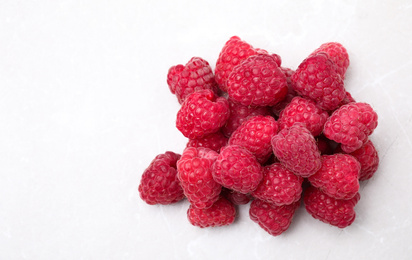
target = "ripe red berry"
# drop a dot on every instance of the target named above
(237, 169)
(221, 213)
(213, 141)
(368, 158)
(339, 213)
(194, 76)
(273, 219)
(337, 54)
(195, 175)
(257, 81)
(159, 183)
(202, 113)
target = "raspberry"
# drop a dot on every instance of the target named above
(255, 135)
(257, 81)
(195, 175)
(337, 54)
(237, 169)
(159, 183)
(296, 148)
(232, 54)
(201, 114)
(338, 176)
(213, 141)
(239, 113)
(222, 213)
(339, 213)
(273, 219)
(368, 158)
(303, 111)
(317, 79)
(279, 186)
(235, 197)
(277, 108)
(351, 125)
(195, 75)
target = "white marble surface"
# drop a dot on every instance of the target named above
(84, 108)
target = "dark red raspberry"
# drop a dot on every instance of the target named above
(339, 213)
(279, 186)
(235, 197)
(232, 54)
(351, 125)
(368, 158)
(304, 111)
(255, 134)
(337, 54)
(317, 79)
(195, 175)
(276, 109)
(325, 145)
(195, 75)
(296, 148)
(213, 141)
(273, 219)
(159, 183)
(240, 113)
(202, 113)
(338, 176)
(222, 213)
(237, 169)
(257, 81)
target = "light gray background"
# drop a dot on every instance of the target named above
(84, 108)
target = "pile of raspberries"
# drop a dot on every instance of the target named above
(264, 133)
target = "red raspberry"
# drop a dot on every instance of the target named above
(276, 109)
(195, 75)
(257, 81)
(195, 175)
(159, 183)
(222, 213)
(338, 176)
(339, 213)
(201, 114)
(279, 186)
(255, 135)
(304, 111)
(273, 219)
(317, 79)
(240, 113)
(368, 158)
(213, 141)
(351, 125)
(232, 54)
(296, 148)
(235, 197)
(237, 169)
(337, 54)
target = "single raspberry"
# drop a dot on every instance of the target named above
(195, 175)
(235, 197)
(202, 113)
(337, 54)
(232, 54)
(255, 134)
(195, 75)
(338, 176)
(277, 108)
(351, 125)
(339, 213)
(240, 113)
(237, 169)
(368, 158)
(273, 219)
(296, 148)
(304, 111)
(257, 81)
(213, 141)
(159, 183)
(221, 213)
(317, 79)
(279, 185)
